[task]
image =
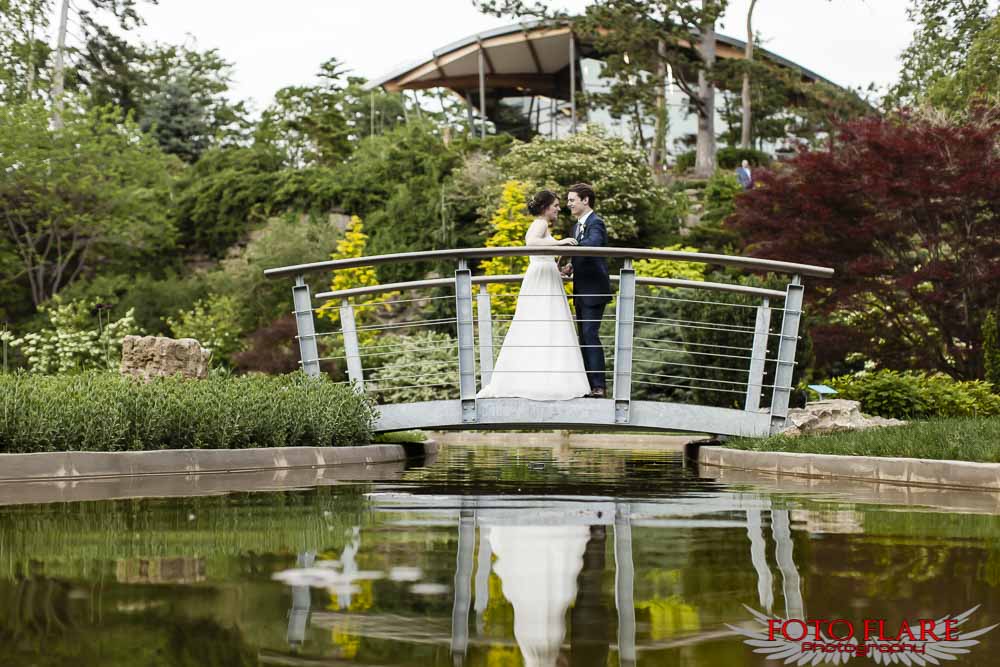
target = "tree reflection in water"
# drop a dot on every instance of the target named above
(585, 558)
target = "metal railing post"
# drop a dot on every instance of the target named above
(791, 583)
(624, 584)
(463, 586)
(298, 615)
(786, 354)
(466, 341)
(758, 556)
(755, 379)
(624, 325)
(308, 352)
(352, 349)
(485, 316)
(484, 565)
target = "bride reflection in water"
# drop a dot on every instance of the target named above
(538, 567)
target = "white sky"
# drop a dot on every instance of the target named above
(276, 44)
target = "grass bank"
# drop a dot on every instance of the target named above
(99, 411)
(955, 438)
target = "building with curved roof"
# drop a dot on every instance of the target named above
(538, 69)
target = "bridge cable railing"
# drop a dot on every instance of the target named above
(652, 346)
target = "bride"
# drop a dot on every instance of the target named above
(540, 358)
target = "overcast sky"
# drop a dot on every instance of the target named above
(276, 44)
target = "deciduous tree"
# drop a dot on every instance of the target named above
(94, 193)
(907, 210)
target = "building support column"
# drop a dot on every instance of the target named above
(572, 80)
(482, 93)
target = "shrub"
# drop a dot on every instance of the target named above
(77, 337)
(701, 338)
(663, 268)
(352, 246)
(149, 297)
(214, 322)
(423, 358)
(96, 411)
(916, 395)
(991, 349)
(223, 195)
(285, 240)
(719, 201)
(271, 349)
(731, 157)
(627, 196)
(684, 162)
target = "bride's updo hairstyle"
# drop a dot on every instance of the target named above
(541, 201)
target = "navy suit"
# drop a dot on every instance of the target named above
(591, 294)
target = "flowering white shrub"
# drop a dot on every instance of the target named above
(75, 339)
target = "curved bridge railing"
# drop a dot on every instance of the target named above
(726, 370)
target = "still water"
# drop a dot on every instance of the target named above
(481, 556)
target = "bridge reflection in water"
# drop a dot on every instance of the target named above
(549, 555)
(753, 376)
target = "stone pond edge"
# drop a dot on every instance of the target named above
(76, 465)
(881, 470)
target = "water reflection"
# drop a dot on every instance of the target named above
(538, 567)
(487, 557)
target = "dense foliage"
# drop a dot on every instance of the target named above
(148, 199)
(627, 197)
(98, 411)
(93, 195)
(915, 395)
(991, 349)
(907, 210)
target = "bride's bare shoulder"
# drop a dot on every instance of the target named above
(538, 229)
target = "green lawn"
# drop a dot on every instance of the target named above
(955, 438)
(400, 438)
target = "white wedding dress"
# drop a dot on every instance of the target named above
(540, 358)
(538, 567)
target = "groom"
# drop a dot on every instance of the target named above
(591, 285)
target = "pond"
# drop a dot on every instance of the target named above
(483, 555)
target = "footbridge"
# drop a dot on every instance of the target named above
(684, 355)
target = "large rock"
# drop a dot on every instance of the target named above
(146, 357)
(831, 416)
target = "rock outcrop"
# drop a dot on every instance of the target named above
(145, 357)
(831, 416)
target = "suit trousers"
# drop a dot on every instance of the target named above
(589, 327)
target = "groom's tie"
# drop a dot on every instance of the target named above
(579, 231)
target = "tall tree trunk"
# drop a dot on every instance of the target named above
(747, 116)
(31, 52)
(704, 164)
(59, 78)
(660, 140)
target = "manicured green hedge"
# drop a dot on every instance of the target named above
(725, 158)
(915, 395)
(99, 411)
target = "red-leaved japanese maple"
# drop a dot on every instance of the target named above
(907, 210)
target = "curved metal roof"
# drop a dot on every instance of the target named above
(525, 55)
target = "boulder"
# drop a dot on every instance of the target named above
(831, 416)
(145, 357)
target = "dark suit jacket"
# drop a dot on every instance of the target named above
(590, 274)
